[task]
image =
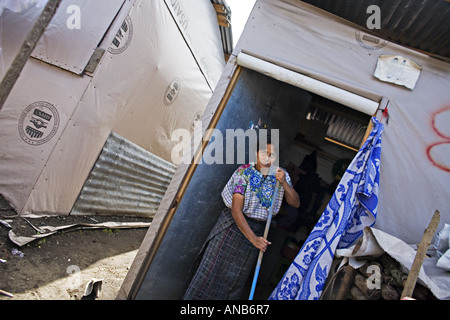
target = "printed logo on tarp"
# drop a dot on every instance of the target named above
(180, 14)
(38, 123)
(368, 41)
(196, 121)
(172, 92)
(123, 37)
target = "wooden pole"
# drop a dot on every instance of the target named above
(346, 284)
(420, 255)
(13, 73)
(367, 133)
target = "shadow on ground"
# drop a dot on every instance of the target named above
(53, 262)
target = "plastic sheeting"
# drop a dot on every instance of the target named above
(415, 176)
(85, 23)
(192, 17)
(147, 84)
(20, 5)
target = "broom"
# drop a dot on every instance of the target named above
(266, 231)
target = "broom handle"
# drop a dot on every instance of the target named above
(266, 232)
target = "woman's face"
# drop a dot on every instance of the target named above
(266, 157)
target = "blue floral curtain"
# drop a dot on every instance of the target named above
(352, 207)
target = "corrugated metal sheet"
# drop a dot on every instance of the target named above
(125, 180)
(339, 128)
(420, 24)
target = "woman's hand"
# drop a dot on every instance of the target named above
(260, 243)
(241, 222)
(280, 175)
(290, 194)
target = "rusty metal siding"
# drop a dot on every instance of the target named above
(125, 180)
(420, 24)
(226, 33)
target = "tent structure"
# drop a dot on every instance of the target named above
(319, 79)
(87, 127)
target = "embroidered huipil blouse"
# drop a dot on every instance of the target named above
(257, 191)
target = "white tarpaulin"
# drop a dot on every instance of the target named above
(45, 231)
(20, 5)
(415, 172)
(84, 22)
(148, 84)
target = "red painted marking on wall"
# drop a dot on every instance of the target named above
(442, 135)
(433, 161)
(433, 122)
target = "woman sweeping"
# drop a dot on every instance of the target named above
(231, 249)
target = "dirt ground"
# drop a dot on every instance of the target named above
(59, 266)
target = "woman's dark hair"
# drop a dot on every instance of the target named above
(263, 138)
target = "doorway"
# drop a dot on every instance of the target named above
(304, 120)
(327, 139)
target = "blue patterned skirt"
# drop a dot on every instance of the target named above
(225, 262)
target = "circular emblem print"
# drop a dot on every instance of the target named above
(368, 41)
(196, 121)
(172, 92)
(38, 123)
(123, 37)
